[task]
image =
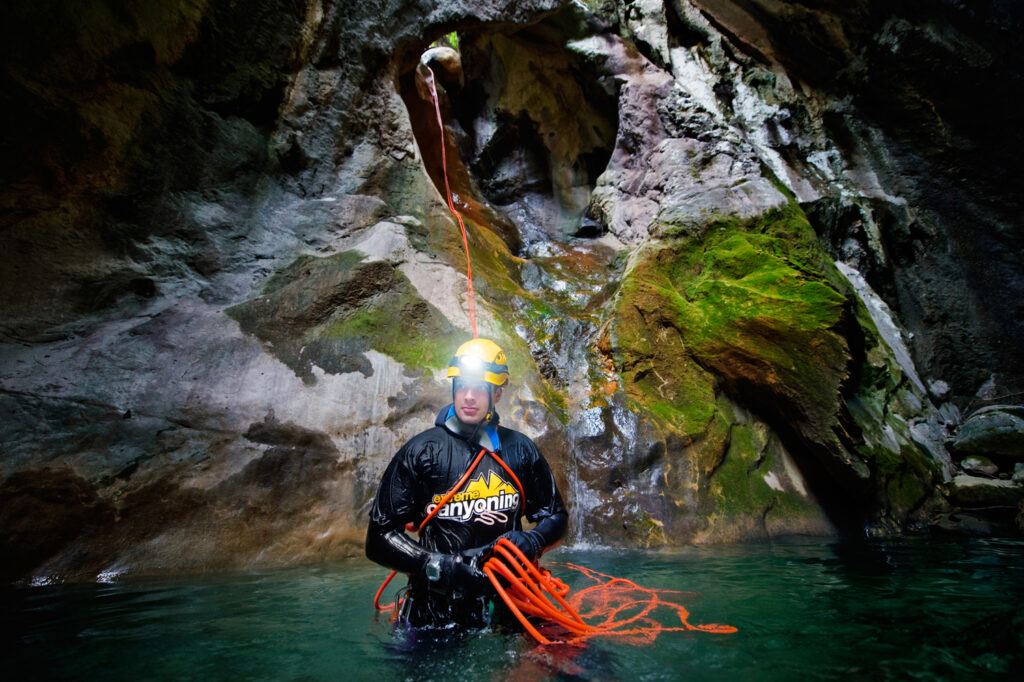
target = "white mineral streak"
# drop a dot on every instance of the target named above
(773, 482)
(679, 161)
(792, 472)
(882, 317)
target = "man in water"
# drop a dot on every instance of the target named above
(496, 475)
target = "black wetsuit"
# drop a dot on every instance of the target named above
(485, 507)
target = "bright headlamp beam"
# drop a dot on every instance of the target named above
(471, 363)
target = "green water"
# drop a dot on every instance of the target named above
(908, 609)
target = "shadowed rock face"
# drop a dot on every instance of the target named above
(931, 116)
(231, 284)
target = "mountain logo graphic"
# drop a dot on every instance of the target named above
(483, 501)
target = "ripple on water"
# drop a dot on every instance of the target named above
(907, 609)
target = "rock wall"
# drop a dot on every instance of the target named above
(231, 283)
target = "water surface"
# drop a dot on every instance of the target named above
(907, 609)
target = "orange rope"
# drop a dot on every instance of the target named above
(612, 607)
(471, 298)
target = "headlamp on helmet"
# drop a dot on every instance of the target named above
(480, 359)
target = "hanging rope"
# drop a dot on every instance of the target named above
(470, 295)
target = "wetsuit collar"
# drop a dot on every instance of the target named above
(485, 435)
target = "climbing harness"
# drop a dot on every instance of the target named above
(610, 607)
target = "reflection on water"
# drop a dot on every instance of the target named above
(908, 609)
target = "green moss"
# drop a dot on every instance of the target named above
(738, 486)
(733, 488)
(447, 40)
(906, 477)
(657, 371)
(304, 266)
(643, 530)
(904, 473)
(884, 461)
(747, 302)
(905, 493)
(327, 312)
(403, 326)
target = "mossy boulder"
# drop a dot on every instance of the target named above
(976, 491)
(756, 490)
(979, 465)
(734, 482)
(744, 306)
(994, 430)
(754, 310)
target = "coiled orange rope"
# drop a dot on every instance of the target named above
(611, 607)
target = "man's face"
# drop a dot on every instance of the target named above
(471, 402)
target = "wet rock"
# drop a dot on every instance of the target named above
(41, 511)
(975, 491)
(870, 52)
(227, 221)
(326, 313)
(963, 523)
(539, 129)
(640, 484)
(686, 322)
(675, 166)
(993, 430)
(978, 465)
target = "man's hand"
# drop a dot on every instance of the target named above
(456, 574)
(529, 542)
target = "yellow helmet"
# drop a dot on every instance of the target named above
(480, 359)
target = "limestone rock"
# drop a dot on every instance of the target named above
(979, 465)
(975, 491)
(886, 62)
(993, 430)
(220, 158)
(229, 267)
(542, 131)
(675, 165)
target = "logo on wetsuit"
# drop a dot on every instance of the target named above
(484, 502)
